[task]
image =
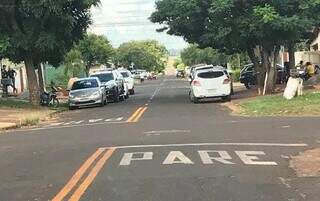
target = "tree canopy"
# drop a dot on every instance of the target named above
(42, 31)
(194, 55)
(148, 55)
(95, 50)
(258, 27)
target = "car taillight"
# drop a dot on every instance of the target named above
(196, 83)
(226, 81)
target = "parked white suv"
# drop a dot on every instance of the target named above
(129, 80)
(211, 83)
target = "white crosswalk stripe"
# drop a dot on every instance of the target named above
(90, 121)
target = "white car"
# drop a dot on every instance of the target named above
(129, 80)
(211, 83)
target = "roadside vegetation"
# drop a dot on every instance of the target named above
(24, 113)
(259, 28)
(276, 105)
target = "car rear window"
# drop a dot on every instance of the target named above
(125, 74)
(211, 74)
(104, 77)
(85, 84)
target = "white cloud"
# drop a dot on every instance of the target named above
(124, 20)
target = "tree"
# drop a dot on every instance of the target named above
(42, 31)
(74, 65)
(95, 50)
(258, 27)
(148, 55)
(194, 55)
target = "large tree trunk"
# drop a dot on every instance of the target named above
(40, 77)
(260, 72)
(88, 66)
(269, 55)
(34, 92)
(292, 59)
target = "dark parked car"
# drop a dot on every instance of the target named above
(114, 83)
(248, 76)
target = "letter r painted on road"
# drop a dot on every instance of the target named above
(128, 157)
(222, 157)
(176, 157)
(250, 158)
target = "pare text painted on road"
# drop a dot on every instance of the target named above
(206, 156)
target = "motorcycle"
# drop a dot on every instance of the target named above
(49, 98)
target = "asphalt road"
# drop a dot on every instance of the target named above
(157, 146)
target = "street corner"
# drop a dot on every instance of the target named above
(7, 125)
(307, 163)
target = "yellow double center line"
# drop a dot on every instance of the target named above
(137, 115)
(82, 187)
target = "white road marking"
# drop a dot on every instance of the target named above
(68, 126)
(56, 124)
(285, 126)
(176, 157)
(94, 120)
(251, 158)
(128, 157)
(223, 157)
(154, 94)
(150, 133)
(212, 144)
(285, 182)
(119, 119)
(73, 122)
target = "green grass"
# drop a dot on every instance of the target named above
(276, 105)
(26, 105)
(30, 121)
(16, 104)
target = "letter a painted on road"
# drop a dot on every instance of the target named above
(176, 157)
(250, 158)
(222, 157)
(128, 157)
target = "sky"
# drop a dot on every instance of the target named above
(125, 20)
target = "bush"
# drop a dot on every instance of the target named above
(236, 75)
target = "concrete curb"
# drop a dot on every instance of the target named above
(7, 126)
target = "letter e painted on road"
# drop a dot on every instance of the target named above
(222, 157)
(250, 158)
(128, 157)
(176, 157)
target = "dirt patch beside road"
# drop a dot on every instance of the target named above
(307, 164)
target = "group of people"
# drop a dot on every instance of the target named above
(308, 68)
(8, 78)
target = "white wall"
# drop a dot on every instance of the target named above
(308, 56)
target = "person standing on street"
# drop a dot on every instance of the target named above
(12, 75)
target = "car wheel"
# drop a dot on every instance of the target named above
(122, 97)
(127, 95)
(131, 92)
(72, 108)
(226, 98)
(193, 98)
(116, 97)
(247, 85)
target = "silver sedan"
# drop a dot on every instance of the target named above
(87, 92)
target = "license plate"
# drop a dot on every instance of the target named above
(212, 90)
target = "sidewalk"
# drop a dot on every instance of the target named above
(6, 125)
(17, 112)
